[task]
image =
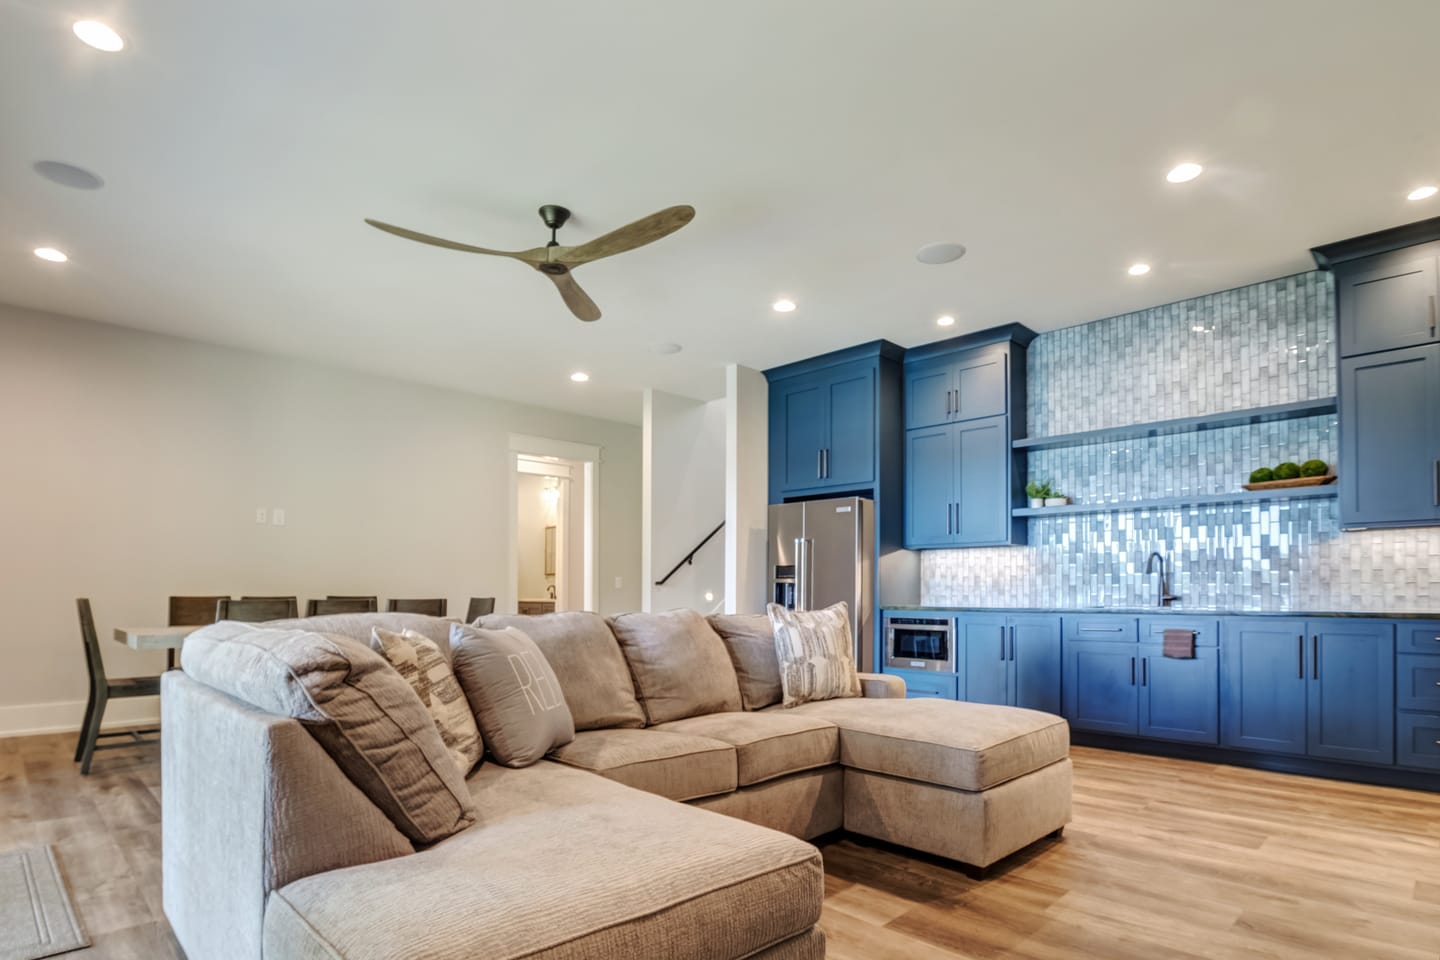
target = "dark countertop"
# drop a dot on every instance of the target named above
(1165, 612)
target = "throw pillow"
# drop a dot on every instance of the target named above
(355, 705)
(420, 661)
(513, 692)
(816, 653)
(679, 664)
(750, 640)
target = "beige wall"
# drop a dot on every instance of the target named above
(131, 466)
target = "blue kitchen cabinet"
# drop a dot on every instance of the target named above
(957, 485)
(929, 487)
(926, 684)
(983, 647)
(1419, 741)
(929, 393)
(1101, 692)
(1010, 660)
(797, 421)
(1351, 693)
(823, 429)
(1387, 302)
(850, 419)
(1179, 699)
(1390, 438)
(962, 385)
(1263, 686)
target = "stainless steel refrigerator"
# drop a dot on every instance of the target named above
(823, 552)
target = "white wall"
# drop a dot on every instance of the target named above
(747, 495)
(683, 499)
(131, 465)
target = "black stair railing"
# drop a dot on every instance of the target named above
(690, 557)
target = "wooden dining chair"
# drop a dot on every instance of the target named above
(193, 611)
(256, 609)
(102, 691)
(321, 608)
(431, 608)
(479, 607)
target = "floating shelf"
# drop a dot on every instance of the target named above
(1194, 500)
(1162, 428)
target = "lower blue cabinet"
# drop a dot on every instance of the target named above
(1418, 741)
(1011, 660)
(1179, 699)
(1101, 692)
(927, 684)
(1263, 682)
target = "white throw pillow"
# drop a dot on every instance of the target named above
(419, 660)
(816, 653)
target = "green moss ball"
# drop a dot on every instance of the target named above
(1263, 475)
(1314, 468)
(1287, 471)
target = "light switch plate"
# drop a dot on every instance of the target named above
(260, 515)
(277, 516)
(618, 583)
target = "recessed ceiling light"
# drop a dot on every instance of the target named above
(1139, 269)
(579, 377)
(945, 321)
(51, 254)
(99, 36)
(783, 306)
(665, 349)
(68, 175)
(1422, 193)
(935, 253)
(1184, 172)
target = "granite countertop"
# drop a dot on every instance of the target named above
(1165, 612)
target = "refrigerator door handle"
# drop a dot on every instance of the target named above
(804, 575)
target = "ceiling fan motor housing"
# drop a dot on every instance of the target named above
(554, 215)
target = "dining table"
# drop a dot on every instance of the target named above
(169, 639)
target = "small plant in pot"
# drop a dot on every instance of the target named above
(1038, 492)
(1056, 499)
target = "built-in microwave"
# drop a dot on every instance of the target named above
(920, 643)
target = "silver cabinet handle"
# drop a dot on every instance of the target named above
(827, 463)
(947, 403)
(819, 463)
(1145, 671)
(1300, 657)
(1002, 643)
(1315, 654)
(1132, 671)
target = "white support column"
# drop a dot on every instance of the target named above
(747, 453)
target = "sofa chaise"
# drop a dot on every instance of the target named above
(645, 837)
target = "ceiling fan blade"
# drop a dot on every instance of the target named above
(637, 234)
(575, 298)
(527, 256)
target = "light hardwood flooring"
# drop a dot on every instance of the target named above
(1165, 859)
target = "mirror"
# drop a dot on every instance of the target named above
(550, 551)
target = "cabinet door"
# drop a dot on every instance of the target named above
(981, 383)
(1180, 699)
(929, 487)
(1390, 438)
(1417, 683)
(1100, 686)
(987, 659)
(1387, 307)
(850, 415)
(923, 684)
(1034, 677)
(1262, 664)
(929, 393)
(1352, 692)
(982, 482)
(1419, 740)
(798, 420)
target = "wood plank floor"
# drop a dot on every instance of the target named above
(1165, 859)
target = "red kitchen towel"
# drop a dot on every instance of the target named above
(1180, 644)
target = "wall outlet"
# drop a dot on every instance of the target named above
(260, 515)
(277, 516)
(618, 583)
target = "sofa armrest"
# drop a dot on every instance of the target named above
(882, 686)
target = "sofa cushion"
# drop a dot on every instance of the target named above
(679, 664)
(769, 744)
(416, 658)
(513, 692)
(673, 765)
(968, 746)
(816, 653)
(587, 660)
(355, 704)
(750, 640)
(357, 626)
(565, 866)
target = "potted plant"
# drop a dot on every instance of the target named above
(1037, 491)
(1056, 499)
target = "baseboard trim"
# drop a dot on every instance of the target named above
(65, 716)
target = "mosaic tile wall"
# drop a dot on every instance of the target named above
(1264, 344)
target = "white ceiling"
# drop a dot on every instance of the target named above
(821, 141)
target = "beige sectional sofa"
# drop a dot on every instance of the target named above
(614, 846)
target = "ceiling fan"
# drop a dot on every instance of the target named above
(556, 261)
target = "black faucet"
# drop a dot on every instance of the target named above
(1163, 596)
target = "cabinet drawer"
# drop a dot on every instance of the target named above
(1419, 636)
(1417, 683)
(925, 684)
(1419, 741)
(1207, 632)
(1101, 627)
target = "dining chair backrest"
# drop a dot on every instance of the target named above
(321, 608)
(256, 609)
(193, 611)
(430, 607)
(94, 662)
(479, 607)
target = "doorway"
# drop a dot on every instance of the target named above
(552, 512)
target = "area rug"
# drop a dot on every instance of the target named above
(36, 918)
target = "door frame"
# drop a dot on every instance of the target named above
(587, 458)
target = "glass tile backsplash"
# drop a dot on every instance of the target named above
(1264, 344)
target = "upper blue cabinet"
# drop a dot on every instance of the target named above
(831, 419)
(964, 406)
(1386, 291)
